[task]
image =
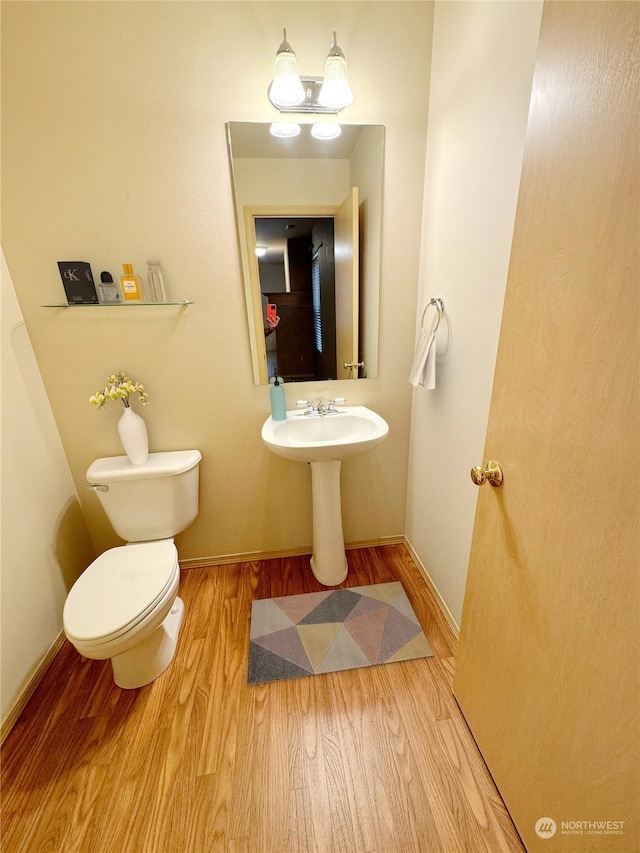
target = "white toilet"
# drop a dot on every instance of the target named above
(124, 605)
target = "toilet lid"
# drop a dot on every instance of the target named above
(118, 589)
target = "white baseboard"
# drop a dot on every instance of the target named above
(251, 556)
(434, 589)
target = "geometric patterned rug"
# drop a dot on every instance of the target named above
(317, 632)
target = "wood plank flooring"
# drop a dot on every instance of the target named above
(377, 760)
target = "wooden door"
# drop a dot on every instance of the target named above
(547, 667)
(294, 337)
(347, 284)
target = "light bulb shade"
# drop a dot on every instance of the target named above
(335, 92)
(284, 129)
(326, 131)
(286, 89)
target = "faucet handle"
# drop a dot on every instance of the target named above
(305, 404)
(335, 401)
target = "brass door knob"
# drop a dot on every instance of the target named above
(492, 474)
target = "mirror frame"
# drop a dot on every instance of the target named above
(250, 270)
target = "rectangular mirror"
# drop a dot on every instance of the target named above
(309, 216)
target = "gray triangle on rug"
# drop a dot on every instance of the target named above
(313, 633)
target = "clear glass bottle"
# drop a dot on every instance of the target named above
(108, 289)
(156, 289)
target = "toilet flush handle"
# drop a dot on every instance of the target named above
(98, 487)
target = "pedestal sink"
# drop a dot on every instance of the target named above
(325, 441)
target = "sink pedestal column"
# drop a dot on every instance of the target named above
(329, 561)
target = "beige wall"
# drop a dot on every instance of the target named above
(483, 61)
(114, 150)
(45, 544)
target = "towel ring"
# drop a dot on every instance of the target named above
(439, 305)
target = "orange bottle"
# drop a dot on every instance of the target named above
(131, 286)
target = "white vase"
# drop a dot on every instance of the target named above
(133, 435)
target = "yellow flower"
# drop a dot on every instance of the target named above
(119, 387)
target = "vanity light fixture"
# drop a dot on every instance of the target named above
(291, 93)
(261, 251)
(326, 131)
(284, 129)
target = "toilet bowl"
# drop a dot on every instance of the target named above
(124, 606)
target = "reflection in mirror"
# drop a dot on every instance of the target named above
(296, 270)
(309, 222)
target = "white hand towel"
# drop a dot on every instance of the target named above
(423, 369)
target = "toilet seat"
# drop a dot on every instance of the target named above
(119, 591)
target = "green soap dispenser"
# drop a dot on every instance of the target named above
(278, 400)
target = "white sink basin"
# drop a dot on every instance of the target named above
(325, 438)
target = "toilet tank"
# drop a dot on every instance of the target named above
(152, 501)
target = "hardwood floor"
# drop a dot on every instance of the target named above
(377, 760)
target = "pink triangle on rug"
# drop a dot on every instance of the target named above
(288, 645)
(397, 633)
(366, 605)
(367, 630)
(298, 606)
